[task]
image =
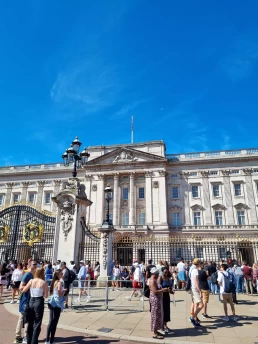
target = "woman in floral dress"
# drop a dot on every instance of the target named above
(156, 303)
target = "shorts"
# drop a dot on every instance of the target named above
(16, 285)
(196, 297)
(2, 281)
(205, 296)
(137, 285)
(116, 278)
(181, 276)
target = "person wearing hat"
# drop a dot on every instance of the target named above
(196, 293)
(156, 303)
(138, 279)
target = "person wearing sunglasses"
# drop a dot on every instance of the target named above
(23, 301)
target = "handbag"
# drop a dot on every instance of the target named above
(146, 291)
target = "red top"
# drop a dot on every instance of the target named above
(247, 271)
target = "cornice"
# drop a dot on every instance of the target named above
(207, 161)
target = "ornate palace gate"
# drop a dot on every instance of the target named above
(26, 231)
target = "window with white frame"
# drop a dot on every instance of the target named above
(216, 191)
(141, 193)
(125, 219)
(32, 197)
(141, 218)
(125, 194)
(175, 193)
(238, 190)
(16, 198)
(218, 218)
(241, 217)
(197, 218)
(195, 191)
(176, 219)
(47, 197)
(1, 200)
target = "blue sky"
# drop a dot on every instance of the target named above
(186, 70)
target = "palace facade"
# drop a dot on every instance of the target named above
(164, 206)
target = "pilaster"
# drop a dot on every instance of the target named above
(206, 197)
(148, 198)
(228, 197)
(9, 187)
(116, 200)
(41, 184)
(132, 200)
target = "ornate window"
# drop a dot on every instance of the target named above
(238, 189)
(241, 217)
(195, 191)
(141, 193)
(32, 197)
(216, 190)
(197, 218)
(176, 219)
(175, 193)
(16, 198)
(47, 197)
(141, 218)
(125, 219)
(125, 194)
(219, 218)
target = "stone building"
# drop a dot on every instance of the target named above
(164, 206)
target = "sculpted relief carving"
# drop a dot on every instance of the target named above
(125, 157)
(67, 210)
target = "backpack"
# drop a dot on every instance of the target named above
(228, 284)
(72, 276)
(214, 277)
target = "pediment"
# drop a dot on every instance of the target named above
(197, 207)
(241, 206)
(219, 206)
(175, 208)
(125, 156)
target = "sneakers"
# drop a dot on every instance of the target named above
(129, 298)
(191, 319)
(78, 300)
(225, 318)
(167, 330)
(18, 301)
(24, 341)
(198, 320)
(88, 298)
(18, 340)
(206, 316)
(161, 332)
(142, 298)
(12, 302)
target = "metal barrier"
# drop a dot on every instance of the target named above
(106, 295)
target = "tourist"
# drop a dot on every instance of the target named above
(16, 281)
(211, 268)
(247, 272)
(166, 282)
(255, 276)
(239, 279)
(203, 278)
(148, 269)
(138, 279)
(196, 293)
(66, 281)
(24, 300)
(116, 276)
(55, 305)
(38, 291)
(125, 278)
(159, 266)
(49, 274)
(3, 278)
(96, 270)
(156, 303)
(71, 266)
(231, 276)
(226, 291)
(81, 280)
(181, 274)
(11, 267)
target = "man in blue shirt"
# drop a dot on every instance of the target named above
(82, 278)
(24, 300)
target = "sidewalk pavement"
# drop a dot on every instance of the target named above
(125, 323)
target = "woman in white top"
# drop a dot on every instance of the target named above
(38, 291)
(55, 305)
(138, 279)
(16, 280)
(116, 276)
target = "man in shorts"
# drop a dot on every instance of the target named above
(203, 283)
(196, 293)
(181, 269)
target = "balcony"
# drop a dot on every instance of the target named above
(214, 228)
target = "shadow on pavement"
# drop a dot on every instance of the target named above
(82, 339)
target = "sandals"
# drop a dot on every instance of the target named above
(157, 336)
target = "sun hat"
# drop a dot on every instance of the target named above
(196, 261)
(154, 271)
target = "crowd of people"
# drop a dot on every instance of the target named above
(33, 282)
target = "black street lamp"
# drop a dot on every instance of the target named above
(72, 156)
(108, 196)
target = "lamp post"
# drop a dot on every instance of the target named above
(72, 155)
(108, 196)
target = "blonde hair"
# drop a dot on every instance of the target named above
(40, 273)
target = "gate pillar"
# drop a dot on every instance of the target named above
(106, 250)
(71, 207)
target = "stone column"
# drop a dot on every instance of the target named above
(89, 186)
(100, 214)
(41, 184)
(24, 191)
(163, 198)
(186, 195)
(132, 200)
(148, 198)
(206, 198)
(228, 197)
(8, 193)
(57, 184)
(106, 247)
(250, 196)
(71, 202)
(115, 201)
